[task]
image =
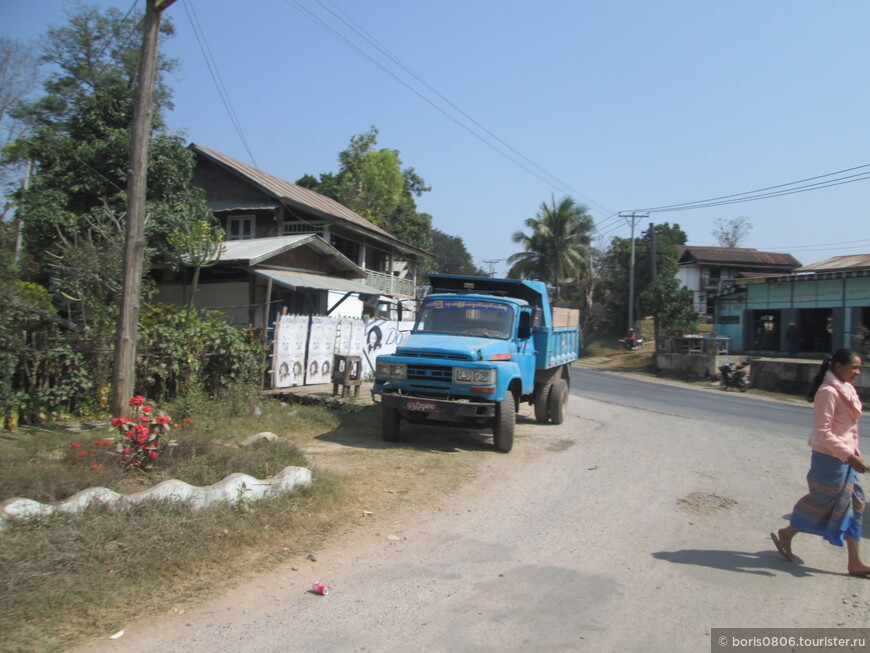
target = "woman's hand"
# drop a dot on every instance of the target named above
(857, 463)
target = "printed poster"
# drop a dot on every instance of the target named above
(288, 358)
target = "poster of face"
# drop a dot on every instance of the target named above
(291, 334)
(321, 345)
(382, 337)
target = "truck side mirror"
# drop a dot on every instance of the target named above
(524, 331)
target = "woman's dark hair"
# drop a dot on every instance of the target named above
(841, 356)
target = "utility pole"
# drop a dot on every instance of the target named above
(633, 217)
(124, 369)
(491, 263)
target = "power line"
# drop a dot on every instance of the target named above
(211, 64)
(769, 192)
(548, 178)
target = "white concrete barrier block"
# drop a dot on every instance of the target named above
(233, 489)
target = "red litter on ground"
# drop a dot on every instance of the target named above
(320, 588)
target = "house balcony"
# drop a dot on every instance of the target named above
(387, 284)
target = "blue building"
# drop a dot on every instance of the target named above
(819, 308)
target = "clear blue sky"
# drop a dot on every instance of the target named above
(621, 104)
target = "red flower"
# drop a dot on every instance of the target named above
(163, 419)
(98, 443)
(138, 400)
(152, 454)
(107, 443)
(119, 421)
(95, 466)
(125, 450)
(144, 419)
(75, 445)
(147, 409)
(83, 453)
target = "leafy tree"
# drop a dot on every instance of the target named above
(372, 183)
(78, 140)
(451, 256)
(663, 298)
(730, 233)
(557, 246)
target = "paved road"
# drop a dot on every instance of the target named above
(637, 525)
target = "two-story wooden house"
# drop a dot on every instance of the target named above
(706, 271)
(291, 248)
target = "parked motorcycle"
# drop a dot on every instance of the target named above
(734, 377)
(629, 345)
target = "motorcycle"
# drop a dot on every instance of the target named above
(734, 377)
(626, 343)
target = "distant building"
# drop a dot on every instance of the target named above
(827, 305)
(708, 270)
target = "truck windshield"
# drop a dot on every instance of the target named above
(467, 317)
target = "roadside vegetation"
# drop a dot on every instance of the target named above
(71, 577)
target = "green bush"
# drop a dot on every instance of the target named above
(181, 352)
(47, 370)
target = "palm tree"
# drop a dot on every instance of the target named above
(557, 246)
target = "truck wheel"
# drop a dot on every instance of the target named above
(390, 420)
(542, 403)
(503, 426)
(558, 402)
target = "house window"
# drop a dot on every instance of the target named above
(240, 227)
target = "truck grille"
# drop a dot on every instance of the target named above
(429, 373)
(436, 354)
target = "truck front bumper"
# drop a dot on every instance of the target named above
(451, 409)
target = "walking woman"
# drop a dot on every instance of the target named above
(835, 504)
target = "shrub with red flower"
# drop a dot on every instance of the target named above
(139, 439)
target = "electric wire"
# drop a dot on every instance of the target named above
(500, 150)
(556, 181)
(763, 193)
(213, 70)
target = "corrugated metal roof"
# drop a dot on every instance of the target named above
(286, 191)
(850, 262)
(254, 251)
(736, 256)
(293, 280)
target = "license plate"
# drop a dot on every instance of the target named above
(420, 406)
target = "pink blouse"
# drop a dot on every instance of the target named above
(836, 410)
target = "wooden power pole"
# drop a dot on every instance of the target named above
(124, 370)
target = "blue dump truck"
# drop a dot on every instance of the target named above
(479, 348)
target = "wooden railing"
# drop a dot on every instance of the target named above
(389, 285)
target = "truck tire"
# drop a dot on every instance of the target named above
(558, 401)
(542, 403)
(504, 423)
(390, 421)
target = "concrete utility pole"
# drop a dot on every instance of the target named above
(634, 217)
(124, 370)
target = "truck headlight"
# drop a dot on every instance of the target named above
(473, 375)
(388, 370)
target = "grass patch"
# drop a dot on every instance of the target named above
(67, 578)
